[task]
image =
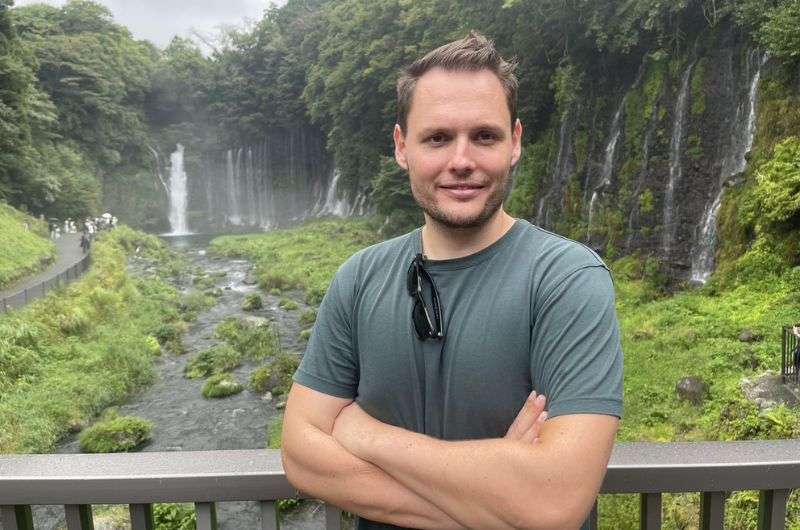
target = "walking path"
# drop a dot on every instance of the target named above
(68, 253)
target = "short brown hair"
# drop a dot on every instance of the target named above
(474, 52)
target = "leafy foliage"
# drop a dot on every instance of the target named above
(117, 434)
(778, 189)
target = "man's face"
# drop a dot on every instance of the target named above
(458, 146)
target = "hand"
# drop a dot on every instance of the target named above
(353, 427)
(529, 420)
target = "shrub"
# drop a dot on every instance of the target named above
(283, 368)
(262, 380)
(308, 317)
(115, 435)
(287, 304)
(275, 291)
(251, 340)
(215, 360)
(191, 304)
(305, 334)
(252, 302)
(174, 517)
(221, 385)
(778, 188)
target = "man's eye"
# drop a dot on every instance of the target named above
(486, 137)
(437, 139)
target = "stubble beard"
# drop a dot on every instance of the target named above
(493, 203)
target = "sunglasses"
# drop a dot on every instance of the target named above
(425, 327)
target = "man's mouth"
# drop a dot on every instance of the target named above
(462, 190)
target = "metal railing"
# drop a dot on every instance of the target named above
(790, 357)
(205, 477)
(64, 278)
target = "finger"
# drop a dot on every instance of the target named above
(532, 434)
(530, 413)
(514, 428)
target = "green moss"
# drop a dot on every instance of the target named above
(308, 317)
(251, 340)
(698, 87)
(215, 360)
(305, 334)
(275, 291)
(646, 202)
(115, 435)
(283, 368)
(288, 304)
(220, 386)
(262, 380)
(252, 302)
(530, 172)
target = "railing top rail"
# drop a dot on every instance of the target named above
(204, 476)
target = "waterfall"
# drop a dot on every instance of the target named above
(333, 205)
(608, 165)
(561, 170)
(177, 193)
(675, 167)
(232, 216)
(734, 163)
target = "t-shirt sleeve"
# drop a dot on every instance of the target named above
(330, 363)
(576, 357)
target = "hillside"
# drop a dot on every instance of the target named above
(24, 249)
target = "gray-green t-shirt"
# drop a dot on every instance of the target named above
(532, 311)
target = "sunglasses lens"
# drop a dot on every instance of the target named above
(420, 322)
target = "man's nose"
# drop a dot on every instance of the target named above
(462, 161)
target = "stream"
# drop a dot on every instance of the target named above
(184, 420)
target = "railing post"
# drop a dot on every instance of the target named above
(206, 515)
(79, 516)
(772, 509)
(269, 515)
(141, 516)
(712, 510)
(650, 511)
(333, 517)
(16, 517)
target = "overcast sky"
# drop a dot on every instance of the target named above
(159, 20)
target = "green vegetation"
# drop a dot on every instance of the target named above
(305, 257)
(252, 302)
(250, 340)
(32, 249)
(308, 317)
(174, 517)
(220, 386)
(81, 349)
(215, 360)
(275, 377)
(116, 434)
(778, 183)
(287, 304)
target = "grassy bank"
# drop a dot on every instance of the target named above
(665, 338)
(66, 357)
(300, 258)
(26, 250)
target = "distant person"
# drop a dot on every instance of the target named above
(420, 401)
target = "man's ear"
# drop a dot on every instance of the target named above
(516, 139)
(400, 147)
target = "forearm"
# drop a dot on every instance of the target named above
(494, 483)
(318, 465)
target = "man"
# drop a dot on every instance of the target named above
(415, 404)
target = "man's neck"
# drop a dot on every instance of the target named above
(440, 242)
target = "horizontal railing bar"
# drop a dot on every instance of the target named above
(218, 476)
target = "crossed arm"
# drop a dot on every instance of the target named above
(539, 476)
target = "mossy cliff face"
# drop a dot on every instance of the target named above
(655, 156)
